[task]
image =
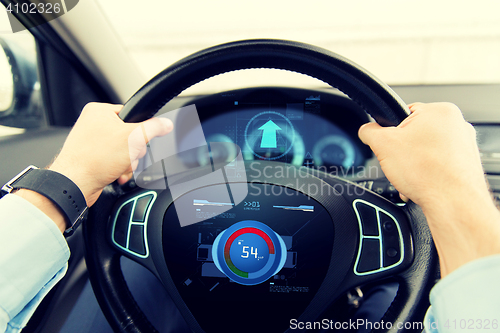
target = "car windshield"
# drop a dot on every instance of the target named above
(402, 42)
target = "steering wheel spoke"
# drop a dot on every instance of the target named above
(385, 244)
(130, 227)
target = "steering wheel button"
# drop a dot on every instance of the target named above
(141, 207)
(369, 259)
(392, 252)
(390, 240)
(391, 257)
(136, 240)
(389, 226)
(368, 217)
(121, 225)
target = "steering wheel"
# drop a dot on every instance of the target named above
(361, 236)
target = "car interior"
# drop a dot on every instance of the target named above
(265, 120)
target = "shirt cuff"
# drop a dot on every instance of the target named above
(17, 323)
(34, 256)
(467, 299)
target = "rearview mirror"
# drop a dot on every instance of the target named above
(20, 98)
(6, 84)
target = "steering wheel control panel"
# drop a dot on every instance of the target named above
(381, 241)
(265, 257)
(130, 224)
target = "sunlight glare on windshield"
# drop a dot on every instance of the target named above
(400, 41)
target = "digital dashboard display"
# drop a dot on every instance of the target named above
(293, 131)
(264, 258)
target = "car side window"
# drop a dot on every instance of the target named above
(21, 104)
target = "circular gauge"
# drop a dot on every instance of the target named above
(298, 149)
(269, 135)
(220, 153)
(249, 252)
(334, 150)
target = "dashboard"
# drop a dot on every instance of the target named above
(311, 128)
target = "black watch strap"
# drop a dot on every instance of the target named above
(56, 187)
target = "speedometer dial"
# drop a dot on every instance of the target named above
(219, 153)
(334, 150)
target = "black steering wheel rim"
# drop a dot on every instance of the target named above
(374, 96)
(378, 99)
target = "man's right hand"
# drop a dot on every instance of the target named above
(432, 158)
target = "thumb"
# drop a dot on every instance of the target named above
(369, 132)
(145, 132)
(156, 126)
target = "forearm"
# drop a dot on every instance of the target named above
(464, 228)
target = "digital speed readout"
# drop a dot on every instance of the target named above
(249, 252)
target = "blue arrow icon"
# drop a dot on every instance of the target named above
(269, 134)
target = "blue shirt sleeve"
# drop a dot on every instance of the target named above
(33, 259)
(467, 300)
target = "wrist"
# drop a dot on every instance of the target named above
(53, 193)
(77, 177)
(468, 204)
(464, 229)
(45, 205)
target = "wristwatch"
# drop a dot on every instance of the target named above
(58, 188)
